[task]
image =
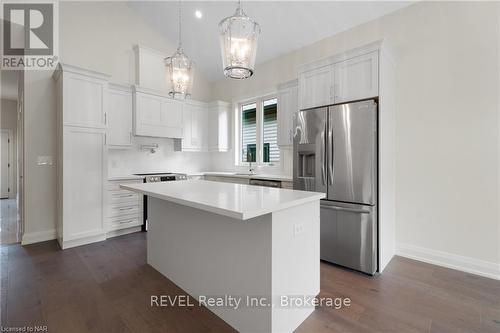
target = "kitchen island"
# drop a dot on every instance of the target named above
(254, 244)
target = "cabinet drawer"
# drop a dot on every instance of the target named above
(123, 222)
(125, 209)
(115, 184)
(122, 196)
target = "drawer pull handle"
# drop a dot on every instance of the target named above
(127, 221)
(126, 208)
(125, 195)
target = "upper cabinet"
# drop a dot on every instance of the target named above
(206, 127)
(316, 87)
(342, 78)
(156, 115)
(356, 78)
(119, 116)
(218, 126)
(287, 106)
(85, 96)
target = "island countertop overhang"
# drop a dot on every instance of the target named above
(238, 201)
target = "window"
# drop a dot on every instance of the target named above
(258, 130)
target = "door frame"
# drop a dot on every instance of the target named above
(11, 160)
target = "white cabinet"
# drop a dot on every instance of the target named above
(82, 155)
(218, 126)
(356, 78)
(150, 69)
(342, 78)
(316, 87)
(119, 116)
(156, 115)
(226, 179)
(85, 93)
(287, 106)
(195, 127)
(125, 208)
(83, 176)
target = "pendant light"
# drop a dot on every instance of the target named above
(180, 69)
(238, 42)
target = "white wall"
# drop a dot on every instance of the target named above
(8, 120)
(447, 120)
(97, 36)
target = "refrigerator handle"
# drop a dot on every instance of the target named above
(323, 171)
(331, 152)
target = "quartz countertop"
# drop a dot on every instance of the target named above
(238, 201)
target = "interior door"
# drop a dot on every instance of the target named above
(352, 140)
(309, 160)
(5, 170)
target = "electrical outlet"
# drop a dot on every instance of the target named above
(298, 229)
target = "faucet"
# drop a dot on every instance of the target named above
(250, 158)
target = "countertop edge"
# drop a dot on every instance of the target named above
(221, 211)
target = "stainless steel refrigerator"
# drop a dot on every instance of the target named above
(335, 152)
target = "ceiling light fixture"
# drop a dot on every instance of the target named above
(198, 14)
(180, 69)
(238, 41)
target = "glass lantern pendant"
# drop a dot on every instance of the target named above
(238, 41)
(180, 70)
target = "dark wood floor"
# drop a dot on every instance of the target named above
(106, 287)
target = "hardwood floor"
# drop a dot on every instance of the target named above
(9, 224)
(106, 287)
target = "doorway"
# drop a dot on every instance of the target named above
(11, 156)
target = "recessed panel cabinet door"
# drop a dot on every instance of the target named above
(171, 118)
(287, 106)
(84, 101)
(83, 182)
(356, 78)
(315, 87)
(119, 118)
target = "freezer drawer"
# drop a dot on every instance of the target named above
(349, 235)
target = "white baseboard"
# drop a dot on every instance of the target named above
(36, 237)
(449, 260)
(121, 232)
(99, 237)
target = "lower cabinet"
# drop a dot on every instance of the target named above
(125, 209)
(81, 195)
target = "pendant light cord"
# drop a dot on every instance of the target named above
(180, 27)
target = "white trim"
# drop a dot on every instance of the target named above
(39, 236)
(66, 244)
(121, 232)
(449, 260)
(10, 138)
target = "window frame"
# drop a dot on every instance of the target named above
(259, 102)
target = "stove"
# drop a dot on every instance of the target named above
(156, 177)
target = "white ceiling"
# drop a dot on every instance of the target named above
(8, 85)
(285, 25)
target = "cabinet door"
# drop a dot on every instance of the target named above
(356, 78)
(84, 101)
(157, 116)
(119, 118)
(171, 118)
(202, 120)
(84, 174)
(315, 87)
(287, 106)
(218, 127)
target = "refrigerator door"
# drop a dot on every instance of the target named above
(309, 153)
(352, 157)
(349, 235)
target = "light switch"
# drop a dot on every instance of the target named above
(44, 160)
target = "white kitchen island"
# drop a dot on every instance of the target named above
(256, 244)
